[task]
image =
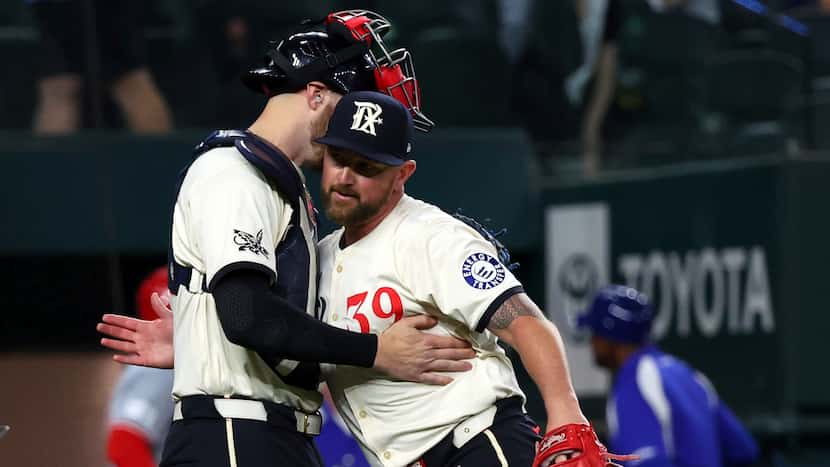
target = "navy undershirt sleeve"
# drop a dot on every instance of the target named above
(254, 317)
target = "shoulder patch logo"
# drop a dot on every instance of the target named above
(482, 271)
(252, 243)
(366, 116)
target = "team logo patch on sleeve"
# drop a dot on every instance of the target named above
(252, 243)
(482, 271)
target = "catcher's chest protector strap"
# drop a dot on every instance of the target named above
(261, 155)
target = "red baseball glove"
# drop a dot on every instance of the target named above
(575, 439)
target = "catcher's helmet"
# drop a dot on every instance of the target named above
(156, 282)
(346, 52)
(620, 314)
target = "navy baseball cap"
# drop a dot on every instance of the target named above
(372, 124)
(620, 314)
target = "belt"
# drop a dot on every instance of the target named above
(442, 452)
(272, 413)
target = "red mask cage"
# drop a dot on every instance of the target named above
(395, 72)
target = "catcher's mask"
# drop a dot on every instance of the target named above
(346, 52)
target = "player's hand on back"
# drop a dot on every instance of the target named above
(141, 342)
(407, 353)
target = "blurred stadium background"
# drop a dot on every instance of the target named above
(715, 167)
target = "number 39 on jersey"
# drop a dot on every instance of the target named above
(375, 310)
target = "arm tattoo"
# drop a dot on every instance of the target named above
(511, 309)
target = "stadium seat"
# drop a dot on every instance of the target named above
(18, 41)
(464, 80)
(536, 91)
(410, 18)
(810, 120)
(813, 47)
(179, 61)
(280, 18)
(666, 52)
(752, 85)
(555, 35)
(821, 122)
(187, 80)
(14, 13)
(17, 82)
(818, 52)
(661, 65)
(753, 92)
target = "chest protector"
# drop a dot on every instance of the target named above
(292, 255)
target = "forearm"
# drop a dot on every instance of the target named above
(520, 323)
(542, 352)
(255, 318)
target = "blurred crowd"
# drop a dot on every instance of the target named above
(596, 83)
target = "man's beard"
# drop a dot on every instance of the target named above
(351, 215)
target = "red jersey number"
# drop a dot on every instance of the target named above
(392, 307)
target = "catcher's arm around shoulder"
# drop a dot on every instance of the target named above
(520, 323)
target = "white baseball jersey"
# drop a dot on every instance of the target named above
(141, 401)
(228, 215)
(419, 260)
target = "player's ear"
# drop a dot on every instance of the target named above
(404, 172)
(315, 94)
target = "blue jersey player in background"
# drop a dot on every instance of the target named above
(659, 407)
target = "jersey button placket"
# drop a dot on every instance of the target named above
(369, 428)
(335, 284)
(340, 258)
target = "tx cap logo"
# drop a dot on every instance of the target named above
(366, 116)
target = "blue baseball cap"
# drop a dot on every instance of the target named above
(372, 124)
(620, 314)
